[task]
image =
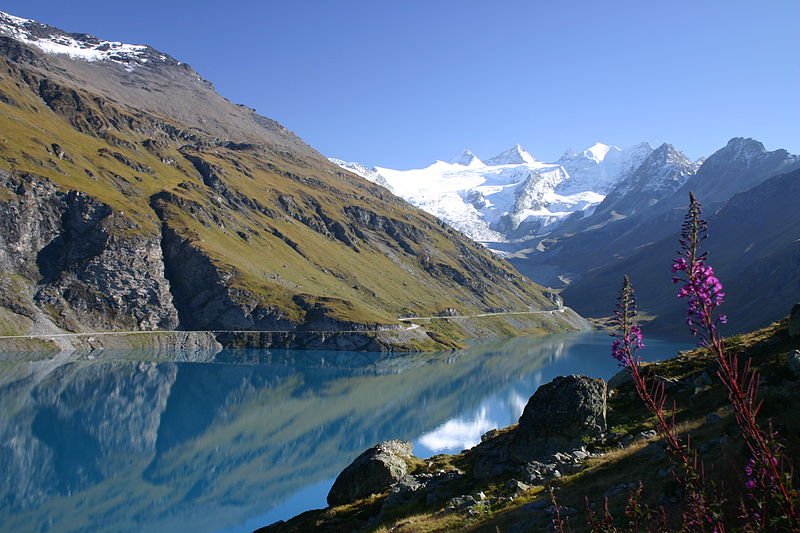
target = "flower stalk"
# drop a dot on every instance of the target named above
(704, 294)
(628, 340)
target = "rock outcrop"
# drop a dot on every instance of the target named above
(794, 321)
(793, 363)
(558, 418)
(372, 472)
(559, 415)
(80, 261)
(549, 440)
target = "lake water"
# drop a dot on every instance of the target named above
(135, 445)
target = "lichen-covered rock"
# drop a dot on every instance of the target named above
(794, 321)
(559, 415)
(372, 472)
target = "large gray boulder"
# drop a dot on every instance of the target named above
(372, 472)
(794, 321)
(559, 416)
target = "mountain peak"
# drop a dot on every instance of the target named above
(666, 155)
(663, 150)
(517, 155)
(467, 158)
(80, 46)
(598, 151)
(745, 144)
(643, 146)
(737, 150)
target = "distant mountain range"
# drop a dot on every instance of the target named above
(582, 222)
(511, 194)
(750, 197)
(135, 197)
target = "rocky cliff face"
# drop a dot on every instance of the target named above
(125, 209)
(65, 252)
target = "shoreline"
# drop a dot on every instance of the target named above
(437, 334)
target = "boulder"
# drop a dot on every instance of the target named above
(559, 416)
(404, 491)
(372, 472)
(793, 363)
(794, 321)
(537, 473)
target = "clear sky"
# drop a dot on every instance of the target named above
(401, 83)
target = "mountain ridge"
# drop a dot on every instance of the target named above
(124, 207)
(510, 195)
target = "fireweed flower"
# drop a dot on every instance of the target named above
(704, 294)
(628, 338)
(749, 475)
(700, 286)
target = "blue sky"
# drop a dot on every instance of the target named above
(401, 83)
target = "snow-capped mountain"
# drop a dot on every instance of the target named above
(511, 194)
(600, 167)
(662, 173)
(467, 158)
(513, 156)
(742, 163)
(367, 173)
(80, 46)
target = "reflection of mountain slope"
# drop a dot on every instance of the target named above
(146, 444)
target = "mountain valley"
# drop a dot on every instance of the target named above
(581, 223)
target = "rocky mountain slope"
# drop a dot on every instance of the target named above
(754, 247)
(748, 194)
(133, 196)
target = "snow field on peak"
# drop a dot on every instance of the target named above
(59, 43)
(490, 201)
(598, 151)
(513, 156)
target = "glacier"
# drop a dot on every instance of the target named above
(511, 194)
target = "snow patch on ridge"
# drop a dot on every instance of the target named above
(83, 47)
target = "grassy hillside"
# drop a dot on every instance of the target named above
(255, 232)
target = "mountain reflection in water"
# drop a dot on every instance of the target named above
(123, 443)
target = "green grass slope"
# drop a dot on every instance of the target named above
(257, 232)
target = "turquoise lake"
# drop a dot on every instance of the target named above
(124, 442)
